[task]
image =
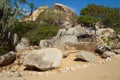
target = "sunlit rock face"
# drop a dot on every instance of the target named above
(64, 9)
(35, 14)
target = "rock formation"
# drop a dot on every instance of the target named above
(62, 8)
(35, 14)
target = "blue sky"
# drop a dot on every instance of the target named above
(76, 5)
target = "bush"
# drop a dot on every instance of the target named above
(87, 20)
(3, 50)
(35, 31)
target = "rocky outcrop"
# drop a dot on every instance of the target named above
(35, 14)
(44, 59)
(64, 9)
(86, 56)
(7, 58)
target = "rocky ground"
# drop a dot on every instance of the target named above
(70, 67)
(101, 69)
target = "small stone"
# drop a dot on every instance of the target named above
(40, 73)
(67, 69)
(64, 70)
(46, 73)
(72, 68)
(84, 66)
(108, 54)
(17, 74)
(95, 62)
(78, 66)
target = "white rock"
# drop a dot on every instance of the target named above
(108, 54)
(87, 56)
(44, 59)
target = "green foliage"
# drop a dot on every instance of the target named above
(87, 19)
(8, 16)
(3, 50)
(35, 32)
(32, 6)
(110, 16)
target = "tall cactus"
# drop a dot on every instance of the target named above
(8, 15)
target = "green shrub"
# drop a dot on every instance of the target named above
(35, 31)
(87, 20)
(42, 32)
(3, 50)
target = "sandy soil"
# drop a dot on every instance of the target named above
(108, 71)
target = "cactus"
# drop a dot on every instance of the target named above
(8, 16)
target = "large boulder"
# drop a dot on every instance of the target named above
(46, 44)
(107, 54)
(86, 56)
(44, 59)
(7, 58)
(64, 9)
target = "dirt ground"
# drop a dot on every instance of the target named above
(109, 70)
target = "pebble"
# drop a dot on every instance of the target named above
(2, 74)
(84, 66)
(95, 62)
(46, 73)
(64, 70)
(78, 66)
(17, 74)
(40, 73)
(67, 69)
(72, 68)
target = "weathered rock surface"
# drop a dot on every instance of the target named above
(62, 8)
(85, 55)
(25, 41)
(102, 48)
(35, 14)
(44, 59)
(107, 54)
(69, 39)
(20, 47)
(46, 44)
(61, 46)
(7, 58)
(117, 51)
